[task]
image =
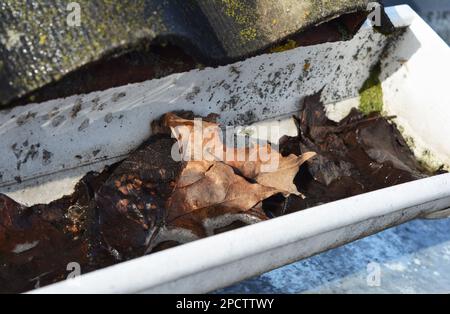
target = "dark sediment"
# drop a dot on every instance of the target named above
(108, 219)
(360, 154)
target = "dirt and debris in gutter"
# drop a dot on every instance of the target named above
(150, 202)
(360, 154)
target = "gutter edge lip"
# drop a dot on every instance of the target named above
(259, 238)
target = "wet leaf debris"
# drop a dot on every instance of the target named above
(360, 154)
(155, 200)
(148, 202)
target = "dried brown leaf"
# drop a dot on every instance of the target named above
(260, 163)
(214, 185)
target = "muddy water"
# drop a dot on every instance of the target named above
(114, 216)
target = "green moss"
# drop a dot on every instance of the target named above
(371, 93)
(248, 34)
(244, 16)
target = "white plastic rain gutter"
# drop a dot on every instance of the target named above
(113, 122)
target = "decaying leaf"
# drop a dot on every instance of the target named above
(215, 185)
(260, 163)
(220, 187)
(209, 194)
(37, 243)
(131, 203)
(282, 173)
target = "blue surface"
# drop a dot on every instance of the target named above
(413, 258)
